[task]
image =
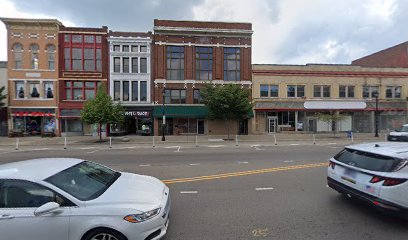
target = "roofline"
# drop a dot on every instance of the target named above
(189, 21)
(31, 20)
(375, 53)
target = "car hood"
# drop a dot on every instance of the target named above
(398, 133)
(138, 192)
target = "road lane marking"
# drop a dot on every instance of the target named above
(188, 192)
(264, 189)
(243, 162)
(288, 161)
(39, 149)
(145, 165)
(244, 173)
(216, 146)
(93, 151)
(194, 164)
(169, 147)
(87, 148)
(332, 144)
(178, 149)
(294, 144)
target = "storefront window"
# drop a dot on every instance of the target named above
(19, 124)
(71, 125)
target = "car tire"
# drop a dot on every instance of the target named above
(103, 233)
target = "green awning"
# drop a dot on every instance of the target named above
(181, 111)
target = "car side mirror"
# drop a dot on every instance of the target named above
(46, 208)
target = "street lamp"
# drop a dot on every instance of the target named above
(164, 117)
(376, 115)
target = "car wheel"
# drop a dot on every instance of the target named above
(104, 234)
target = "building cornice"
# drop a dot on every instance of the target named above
(328, 73)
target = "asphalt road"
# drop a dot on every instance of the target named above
(274, 192)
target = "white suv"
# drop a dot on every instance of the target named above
(399, 134)
(373, 172)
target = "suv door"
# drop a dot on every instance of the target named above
(18, 201)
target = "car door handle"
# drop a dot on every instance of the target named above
(6, 216)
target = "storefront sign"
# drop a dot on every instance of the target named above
(70, 112)
(33, 112)
(141, 114)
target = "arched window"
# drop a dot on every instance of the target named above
(18, 55)
(51, 57)
(34, 56)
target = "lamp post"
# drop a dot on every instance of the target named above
(164, 117)
(376, 115)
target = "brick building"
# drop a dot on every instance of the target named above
(188, 54)
(32, 75)
(287, 97)
(393, 57)
(130, 70)
(84, 62)
(3, 108)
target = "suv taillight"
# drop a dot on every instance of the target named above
(387, 181)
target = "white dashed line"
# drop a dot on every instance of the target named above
(243, 162)
(127, 148)
(87, 148)
(215, 146)
(332, 144)
(169, 147)
(39, 149)
(288, 161)
(264, 189)
(145, 165)
(188, 192)
(294, 144)
(93, 151)
(194, 164)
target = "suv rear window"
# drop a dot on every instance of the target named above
(368, 161)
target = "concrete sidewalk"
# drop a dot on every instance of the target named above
(191, 139)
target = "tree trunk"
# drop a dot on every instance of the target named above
(100, 132)
(228, 123)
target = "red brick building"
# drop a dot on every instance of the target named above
(84, 65)
(188, 54)
(393, 57)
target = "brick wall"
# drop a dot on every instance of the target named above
(396, 56)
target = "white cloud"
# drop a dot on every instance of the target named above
(9, 10)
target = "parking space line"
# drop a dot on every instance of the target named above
(264, 189)
(194, 164)
(145, 165)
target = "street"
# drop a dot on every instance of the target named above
(258, 192)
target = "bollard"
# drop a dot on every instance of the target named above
(65, 143)
(110, 142)
(352, 137)
(153, 142)
(17, 142)
(196, 141)
(314, 139)
(236, 140)
(274, 136)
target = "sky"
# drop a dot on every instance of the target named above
(285, 31)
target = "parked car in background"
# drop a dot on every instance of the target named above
(376, 173)
(73, 199)
(399, 134)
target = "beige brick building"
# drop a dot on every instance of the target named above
(287, 97)
(32, 75)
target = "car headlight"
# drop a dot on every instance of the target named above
(136, 218)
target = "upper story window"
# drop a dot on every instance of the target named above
(51, 57)
(143, 65)
(125, 48)
(83, 52)
(321, 91)
(197, 99)
(296, 91)
(79, 90)
(126, 90)
(116, 48)
(18, 56)
(175, 96)
(204, 61)
(393, 92)
(269, 90)
(34, 49)
(346, 91)
(232, 64)
(143, 48)
(34, 89)
(135, 48)
(48, 89)
(370, 91)
(116, 64)
(175, 63)
(20, 89)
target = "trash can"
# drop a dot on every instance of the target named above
(349, 134)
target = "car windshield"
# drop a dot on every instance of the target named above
(368, 161)
(403, 129)
(85, 181)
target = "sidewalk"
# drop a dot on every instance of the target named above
(192, 139)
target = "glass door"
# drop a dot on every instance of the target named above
(200, 127)
(272, 125)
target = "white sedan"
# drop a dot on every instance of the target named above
(73, 199)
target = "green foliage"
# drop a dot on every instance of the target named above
(102, 109)
(3, 95)
(330, 117)
(227, 102)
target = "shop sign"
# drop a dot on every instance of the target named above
(70, 113)
(141, 114)
(32, 114)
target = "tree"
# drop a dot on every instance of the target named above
(102, 110)
(3, 95)
(227, 102)
(332, 119)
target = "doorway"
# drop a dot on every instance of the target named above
(272, 125)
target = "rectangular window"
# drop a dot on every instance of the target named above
(125, 48)
(134, 48)
(204, 61)
(393, 92)
(67, 58)
(116, 64)
(83, 53)
(232, 64)
(51, 60)
(321, 91)
(143, 91)
(34, 89)
(99, 60)
(89, 59)
(18, 60)
(143, 65)
(143, 48)
(370, 91)
(76, 59)
(116, 48)
(125, 91)
(79, 90)
(264, 90)
(125, 61)
(20, 90)
(77, 38)
(175, 96)
(89, 39)
(135, 91)
(48, 89)
(296, 90)
(346, 91)
(197, 96)
(116, 91)
(135, 65)
(175, 63)
(269, 90)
